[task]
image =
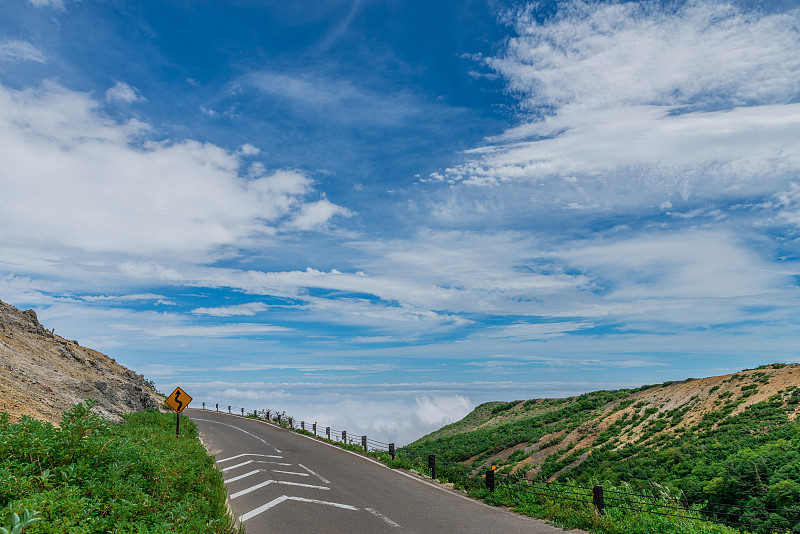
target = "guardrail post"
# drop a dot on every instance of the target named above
(597, 498)
(391, 450)
(364, 443)
(328, 432)
(432, 465)
(490, 479)
(315, 428)
(344, 436)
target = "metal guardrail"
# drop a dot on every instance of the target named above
(280, 418)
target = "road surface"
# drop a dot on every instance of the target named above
(282, 481)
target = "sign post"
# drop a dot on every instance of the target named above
(178, 400)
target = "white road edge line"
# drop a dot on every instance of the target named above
(383, 517)
(315, 474)
(240, 477)
(283, 498)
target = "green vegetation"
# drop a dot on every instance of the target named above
(92, 476)
(721, 450)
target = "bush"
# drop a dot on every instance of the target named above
(91, 476)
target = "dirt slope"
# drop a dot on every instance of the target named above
(644, 416)
(42, 375)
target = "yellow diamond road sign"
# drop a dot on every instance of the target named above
(178, 400)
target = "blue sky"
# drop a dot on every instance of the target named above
(377, 215)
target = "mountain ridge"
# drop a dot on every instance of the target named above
(641, 416)
(43, 374)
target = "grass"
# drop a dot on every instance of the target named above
(91, 476)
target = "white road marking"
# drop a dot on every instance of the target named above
(237, 465)
(283, 498)
(268, 482)
(303, 485)
(253, 488)
(273, 463)
(315, 474)
(291, 473)
(234, 479)
(383, 517)
(240, 430)
(248, 454)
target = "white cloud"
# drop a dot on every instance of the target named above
(251, 308)
(437, 411)
(606, 55)
(532, 331)
(638, 104)
(315, 216)
(57, 4)
(20, 51)
(122, 92)
(675, 265)
(195, 331)
(73, 178)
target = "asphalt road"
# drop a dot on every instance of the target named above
(281, 481)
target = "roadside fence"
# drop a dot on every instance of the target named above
(332, 434)
(601, 499)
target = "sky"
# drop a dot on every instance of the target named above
(379, 214)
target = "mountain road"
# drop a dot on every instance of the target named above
(282, 481)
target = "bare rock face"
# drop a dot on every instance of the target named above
(42, 374)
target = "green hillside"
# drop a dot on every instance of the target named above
(727, 440)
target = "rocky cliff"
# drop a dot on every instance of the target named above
(42, 374)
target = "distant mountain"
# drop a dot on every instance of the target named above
(42, 374)
(727, 439)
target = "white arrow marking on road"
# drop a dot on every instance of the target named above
(291, 473)
(268, 482)
(234, 479)
(283, 498)
(248, 454)
(238, 465)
